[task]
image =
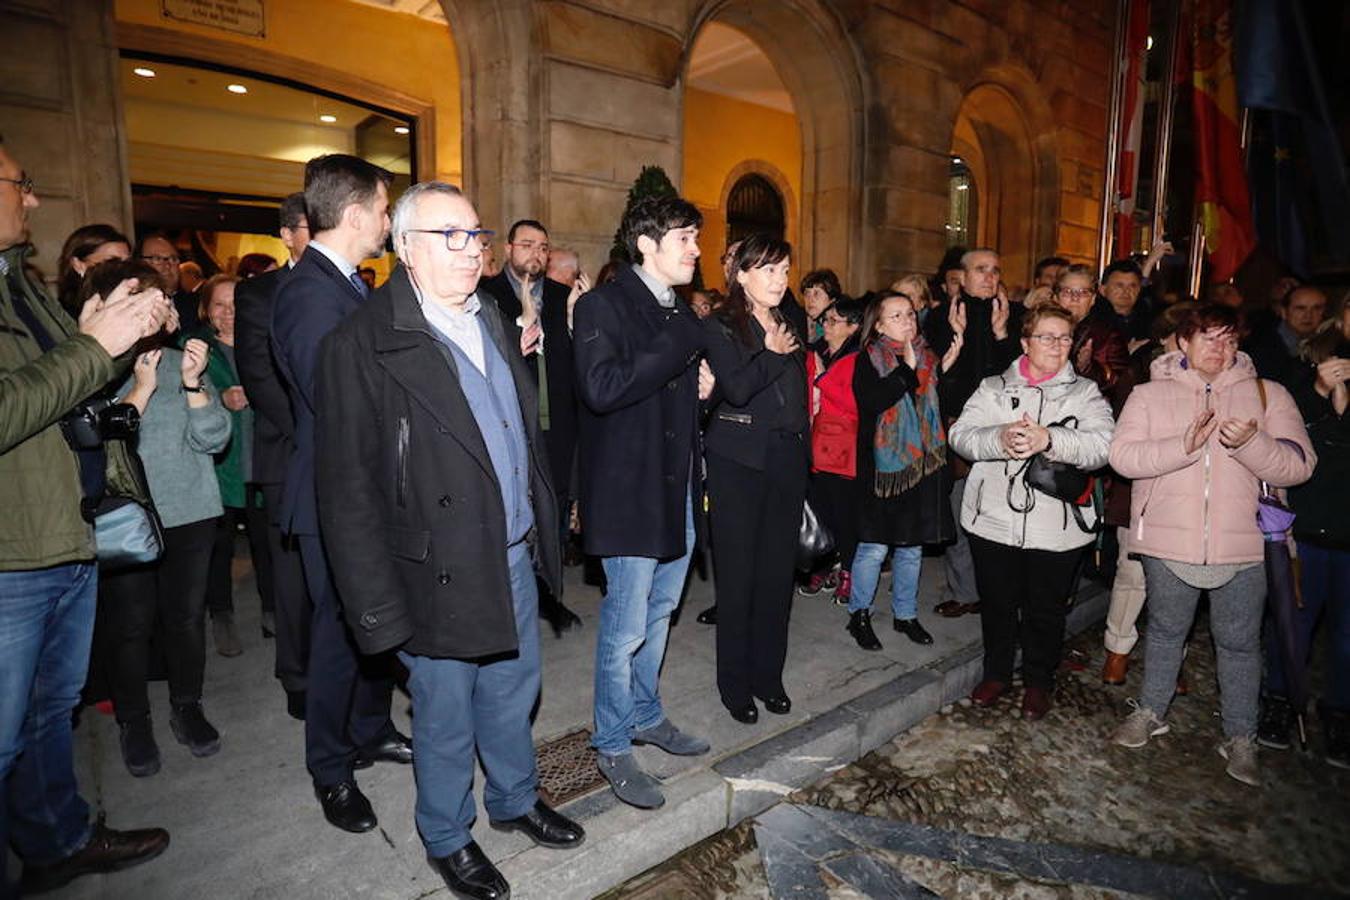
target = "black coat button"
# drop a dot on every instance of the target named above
(443, 578)
(444, 501)
(370, 620)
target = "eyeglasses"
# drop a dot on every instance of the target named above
(1074, 292)
(456, 238)
(530, 246)
(160, 260)
(24, 181)
(1050, 340)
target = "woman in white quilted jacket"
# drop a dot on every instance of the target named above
(1026, 543)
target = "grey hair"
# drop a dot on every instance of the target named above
(407, 206)
(970, 255)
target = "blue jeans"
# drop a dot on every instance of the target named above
(460, 705)
(1325, 584)
(905, 565)
(641, 594)
(46, 625)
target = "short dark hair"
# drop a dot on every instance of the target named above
(826, 280)
(103, 278)
(1048, 262)
(81, 244)
(334, 182)
(293, 210)
(848, 309)
(1212, 315)
(655, 217)
(1127, 266)
(524, 223)
(759, 249)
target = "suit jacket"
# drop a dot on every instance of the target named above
(309, 304)
(638, 386)
(273, 422)
(407, 489)
(561, 436)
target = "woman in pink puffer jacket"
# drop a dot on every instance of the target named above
(1198, 440)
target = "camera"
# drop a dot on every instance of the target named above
(99, 419)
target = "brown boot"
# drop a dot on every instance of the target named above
(1113, 672)
(106, 851)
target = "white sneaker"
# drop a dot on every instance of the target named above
(1241, 755)
(1138, 727)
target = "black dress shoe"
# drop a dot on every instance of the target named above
(105, 851)
(295, 705)
(345, 807)
(911, 629)
(746, 715)
(708, 616)
(779, 706)
(860, 626)
(395, 749)
(545, 826)
(469, 873)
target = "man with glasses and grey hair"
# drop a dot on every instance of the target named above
(434, 481)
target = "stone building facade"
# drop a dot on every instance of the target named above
(562, 101)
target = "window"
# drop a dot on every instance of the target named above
(754, 206)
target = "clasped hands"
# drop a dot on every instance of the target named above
(1024, 438)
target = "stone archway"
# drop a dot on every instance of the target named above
(818, 64)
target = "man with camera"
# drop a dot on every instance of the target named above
(48, 578)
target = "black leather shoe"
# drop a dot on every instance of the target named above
(105, 851)
(545, 826)
(911, 629)
(469, 873)
(860, 626)
(779, 706)
(395, 749)
(345, 807)
(746, 715)
(708, 616)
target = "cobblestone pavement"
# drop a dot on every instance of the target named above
(1164, 819)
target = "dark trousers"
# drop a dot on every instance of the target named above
(755, 519)
(293, 609)
(835, 500)
(347, 701)
(1024, 597)
(174, 590)
(219, 581)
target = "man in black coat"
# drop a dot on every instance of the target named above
(434, 484)
(273, 441)
(346, 704)
(525, 296)
(636, 348)
(992, 342)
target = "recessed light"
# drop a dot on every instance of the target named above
(401, 129)
(144, 72)
(957, 160)
(236, 89)
(327, 118)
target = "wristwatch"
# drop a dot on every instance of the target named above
(199, 389)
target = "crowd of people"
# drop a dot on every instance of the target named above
(414, 465)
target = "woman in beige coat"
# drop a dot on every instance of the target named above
(1198, 440)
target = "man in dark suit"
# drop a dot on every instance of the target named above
(273, 441)
(525, 296)
(445, 518)
(636, 347)
(347, 703)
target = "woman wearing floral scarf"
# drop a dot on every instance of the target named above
(902, 461)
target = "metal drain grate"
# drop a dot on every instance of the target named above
(567, 768)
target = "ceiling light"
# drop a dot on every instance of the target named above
(401, 129)
(236, 89)
(963, 187)
(144, 72)
(957, 160)
(327, 118)
(1149, 46)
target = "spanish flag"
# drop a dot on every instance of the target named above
(1221, 180)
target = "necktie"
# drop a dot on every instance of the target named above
(359, 284)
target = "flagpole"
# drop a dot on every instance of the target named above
(1113, 135)
(1197, 254)
(1162, 160)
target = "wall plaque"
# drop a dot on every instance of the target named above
(239, 16)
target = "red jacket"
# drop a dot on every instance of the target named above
(834, 426)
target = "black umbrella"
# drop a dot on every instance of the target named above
(1275, 520)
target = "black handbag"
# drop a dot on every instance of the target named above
(814, 540)
(126, 534)
(1064, 482)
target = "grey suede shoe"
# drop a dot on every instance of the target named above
(631, 785)
(672, 740)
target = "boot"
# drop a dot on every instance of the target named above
(860, 626)
(1113, 672)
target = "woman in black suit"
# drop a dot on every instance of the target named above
(757, 457)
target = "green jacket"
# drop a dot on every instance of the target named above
(40, 521)
(230, 463)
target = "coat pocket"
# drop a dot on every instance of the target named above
(412, 544)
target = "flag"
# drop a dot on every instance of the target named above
(1132, 52)
(1301, 193)
(1221, 194)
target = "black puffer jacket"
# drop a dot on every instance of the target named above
(1321, 502)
